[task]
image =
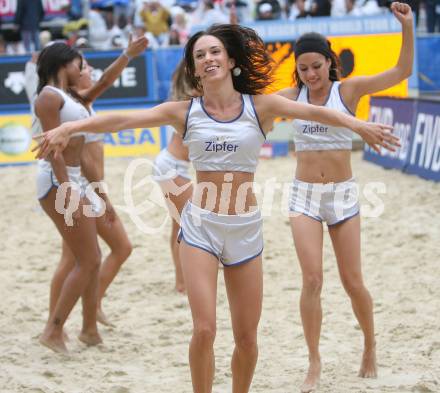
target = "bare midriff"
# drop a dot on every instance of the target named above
(92, 155)
(72, 152)
(225, 192)
(324, 166)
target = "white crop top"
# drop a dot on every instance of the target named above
(216, 145)
(70, 111)
(309, 135)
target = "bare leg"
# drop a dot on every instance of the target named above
(180, 282)
(89, 332)
(120, 249)
(67, 263)
(200, 270)
(244, 285)
(346, 243)
(82, 240)
(176, 193)
(65, 266)
(308, 238)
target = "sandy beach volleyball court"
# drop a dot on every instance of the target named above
(147, 349)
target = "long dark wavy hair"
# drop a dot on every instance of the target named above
(51, 60)
(247, 49)
(335, 66)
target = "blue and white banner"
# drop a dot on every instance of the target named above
(424, 159)
(399, 114)
(417, 123)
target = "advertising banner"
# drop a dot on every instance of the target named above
(399, 114)
(16, 141)
(12, 83)
(424, 155)
(134, 86)
(417, 123)
(135, 83)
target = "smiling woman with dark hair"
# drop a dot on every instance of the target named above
(324, 188)
(224, 130)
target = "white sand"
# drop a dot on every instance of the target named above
(146, 351)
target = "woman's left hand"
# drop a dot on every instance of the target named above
(378, 135)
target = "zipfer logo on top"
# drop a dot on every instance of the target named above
(219, 145)
(314, 129)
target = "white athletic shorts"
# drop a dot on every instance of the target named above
(168, 167)
(232, 239)
(46, 178)
(333, 203)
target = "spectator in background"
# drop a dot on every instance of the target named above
(122, 8)
(268, 10)
(298, 10)
(173, 37)
(45, 37)
(243, 10)
(179, 28)
(2, 45)
(432, 15)
(140, 31)
(209, 13)
(98, 32)
(339, 8)
(265, 12)
(157, 20)
(102, 4)
(321, 8)
(369, 7)
(28, 16)
(351, 8)
(119, 33)
(73, 8)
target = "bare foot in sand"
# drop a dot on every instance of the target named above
(56, 344)
(90, 338)
(312, 379)
(102, 319)
(368, 366)
(65, 335)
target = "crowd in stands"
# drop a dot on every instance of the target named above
(107, 24)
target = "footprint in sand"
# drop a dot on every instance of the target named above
(49, 374)
(116, 373)
(119, 389)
